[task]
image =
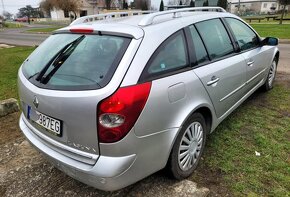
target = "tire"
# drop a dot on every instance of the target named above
(268, 85)
(178, 165)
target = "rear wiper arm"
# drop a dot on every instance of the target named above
(56, 56)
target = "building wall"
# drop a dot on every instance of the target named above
(86, 6)
(265, 6)
(256, 7)
(57, 14)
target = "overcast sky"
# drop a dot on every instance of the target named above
(12, 6)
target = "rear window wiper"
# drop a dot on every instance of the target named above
(58, 56)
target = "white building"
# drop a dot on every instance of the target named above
(254, 6)
(88, 7)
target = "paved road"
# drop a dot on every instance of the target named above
(284, 65)
(17, 37)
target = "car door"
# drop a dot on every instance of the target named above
(221, 71)
(257, 58)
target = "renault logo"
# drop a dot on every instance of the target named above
(35, 102)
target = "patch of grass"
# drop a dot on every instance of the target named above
(273, 30)
(261, 124)
(43, 30)
(13, 25)
(10, 61)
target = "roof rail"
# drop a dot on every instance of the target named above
(148, 20)
(91, 18)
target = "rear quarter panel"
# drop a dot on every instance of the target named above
(172, 99)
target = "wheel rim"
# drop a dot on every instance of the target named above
(190, 146)
(272, 73)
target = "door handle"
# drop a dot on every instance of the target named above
(213, 80)
(250, 63)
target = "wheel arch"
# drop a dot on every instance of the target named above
(208, 115)
(277, 55)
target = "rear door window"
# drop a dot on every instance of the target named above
(89, 63)
(215, 37)
(170, 56)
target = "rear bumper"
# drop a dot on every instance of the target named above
(146, 155)
(106, 174)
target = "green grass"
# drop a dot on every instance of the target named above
(13, 25)
(10, 61)
(273, 30)
(43, 30)
(262, 124)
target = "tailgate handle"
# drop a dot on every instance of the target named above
(213, 80)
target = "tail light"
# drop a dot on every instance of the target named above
(118, 113)
(82, 30)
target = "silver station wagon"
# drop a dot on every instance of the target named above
(115, 97)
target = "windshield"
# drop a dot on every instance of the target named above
(74, 61)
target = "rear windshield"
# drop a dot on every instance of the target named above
(74, 61)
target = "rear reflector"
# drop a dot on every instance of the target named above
(82, 30)
(118, 113)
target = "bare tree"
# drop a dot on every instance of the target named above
(284, 3)
(47, 5)
(69, 6)
(223, 4)
(108, 4)
(65, 5)
(7, 15)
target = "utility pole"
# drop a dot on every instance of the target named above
(239, 5)
(3, 7)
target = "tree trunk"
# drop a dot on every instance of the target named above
(75, 16)
(108, 4)
(283, 12)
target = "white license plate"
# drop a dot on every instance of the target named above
(51, 124)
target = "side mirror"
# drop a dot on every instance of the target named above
(270, 41)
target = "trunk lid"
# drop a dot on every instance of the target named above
(76, 110)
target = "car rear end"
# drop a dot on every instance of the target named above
(72, 102)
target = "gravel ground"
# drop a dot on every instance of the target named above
(25, 172)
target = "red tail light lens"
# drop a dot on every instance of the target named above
(118, 113)
(82, 30)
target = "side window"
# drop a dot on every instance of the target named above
(245, 37)
(199, 49)
(170, 56)
(215, 37)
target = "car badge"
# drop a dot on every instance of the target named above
(35, 102)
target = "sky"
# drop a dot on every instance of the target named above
(12, 6)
